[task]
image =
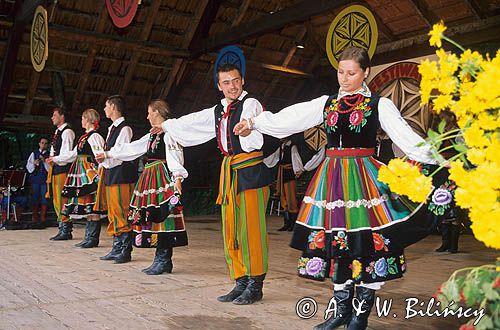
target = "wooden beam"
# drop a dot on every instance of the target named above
(114, 41)
(475, 9)
(24, 13)
(241, 13)
(380, 24)
(153, 10)
(89, 61)
(31, 93)
(294, 14)
(422, 9)
(270, 89)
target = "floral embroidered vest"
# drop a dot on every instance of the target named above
(352, 121)
(156, 148)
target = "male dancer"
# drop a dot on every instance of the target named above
(62, 142)
(243, 191)
(38, 170)
(117, 183)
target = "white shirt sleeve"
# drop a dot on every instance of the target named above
(129, 151)
(30, 164)
(192, 129)
(316, 160)
(273, 158)
(293, 119)
(96, 142)
(125, 136)
(175, 158)
(255, 140)
(296, 160)
(67, 153)
(401, 133)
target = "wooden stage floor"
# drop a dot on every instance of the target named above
(54, 285)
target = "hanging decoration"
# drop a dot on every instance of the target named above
(122, 12)
(233, 55)
(353, 26)
(39, 39)
(315, 137)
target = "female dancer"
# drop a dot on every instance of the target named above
(81, 184)
(350, 227)
(155, 210)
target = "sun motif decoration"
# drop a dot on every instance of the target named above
(39, 40)
(353, 26)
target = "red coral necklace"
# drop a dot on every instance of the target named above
(352, 101)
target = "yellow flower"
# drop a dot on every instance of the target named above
(474, 136)
(356, 268)
(436, 34)
(442, 102)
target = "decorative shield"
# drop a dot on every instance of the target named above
(39, 40)
(122, 12)
(233, 55)
(315, 137)
(353, 26)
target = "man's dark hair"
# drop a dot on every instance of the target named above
(226, 67)
(43, 138)
(118, 101)
(59, 110)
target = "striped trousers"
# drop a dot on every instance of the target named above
(57, 185)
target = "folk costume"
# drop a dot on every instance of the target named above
(38, 180)
(155, 209)
(350, 226)
(62, 143)
(289, 162)
(243, 189)
(114, 192)
(81, 185)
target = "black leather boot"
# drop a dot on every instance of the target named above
(241, 285)
(94, 232)
(292, 219)
(67, 228)
(164, 263)
(125, 254)
(86, 237)
(116, 249)
(367, 297)
(155, 261)
(445, 235)
(253, 291)
(59, 232)
(286, 220)
(454, 234)
(343, 298)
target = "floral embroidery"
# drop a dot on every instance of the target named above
(340, 240)
(347, 204)
(357, 117)
(356, 268)
(380, 242)
(314, 267)
(402, 262)
(317, 240)
(382, 267)
(442, 198)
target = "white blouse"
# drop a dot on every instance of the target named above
(301, 116)
(137, 148)
(314, 162)
(199, 127)
(96, 143)
(125, 136)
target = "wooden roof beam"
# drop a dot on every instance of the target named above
(89, 61)
(153, 10)
(24, 14)
(475, 9)
(421, 8)
(294, 14)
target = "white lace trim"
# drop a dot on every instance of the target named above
(153, 191)
(349, 204)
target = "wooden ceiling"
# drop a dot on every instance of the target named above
(169, 49)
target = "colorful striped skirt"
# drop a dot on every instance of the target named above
(155, 209)
(80, 188)
(350, 225)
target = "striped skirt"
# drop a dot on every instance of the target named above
(80, 188)
(155, 209)
(350, 226)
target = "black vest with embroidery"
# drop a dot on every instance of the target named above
(252, 177)
(351, 123)
(156, 148)
(127, 171)
(57, 144)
